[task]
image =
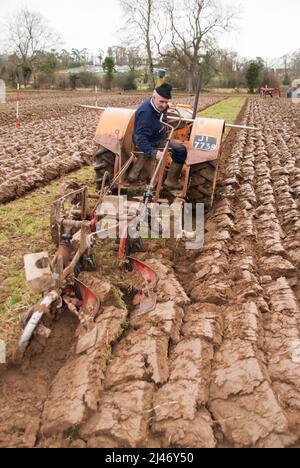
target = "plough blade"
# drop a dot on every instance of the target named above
(147, 298)
(147, 273)
(90, 303)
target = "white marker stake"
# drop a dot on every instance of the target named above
(96, 91)
(2, 92)
(18, 107)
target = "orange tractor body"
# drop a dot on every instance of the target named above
(201, 136)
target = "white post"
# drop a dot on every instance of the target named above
(2, 92)
(2, 352)
(96, 91)
(18, 107)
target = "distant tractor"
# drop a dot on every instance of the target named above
(269, 92)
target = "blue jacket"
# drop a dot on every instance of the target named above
(148, 131)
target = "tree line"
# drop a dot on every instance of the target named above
(182, 38)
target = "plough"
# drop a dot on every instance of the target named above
(75, 230)
(76, 227)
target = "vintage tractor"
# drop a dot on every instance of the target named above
(269, 92)
(79, 220)
(201, 136)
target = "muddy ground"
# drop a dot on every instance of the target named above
(56, 136)
(43, 105)
(216, 364)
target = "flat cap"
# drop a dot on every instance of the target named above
(165, 90)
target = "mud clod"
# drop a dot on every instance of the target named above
(216, 363)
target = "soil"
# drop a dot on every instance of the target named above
(216, 364)
(56, 135)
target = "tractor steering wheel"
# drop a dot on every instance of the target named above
(179, 120)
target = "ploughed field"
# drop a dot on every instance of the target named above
(56, 136)
(217, 363)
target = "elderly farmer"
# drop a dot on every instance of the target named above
(149, 136)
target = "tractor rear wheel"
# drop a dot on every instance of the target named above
(202, 183)
(105, 162)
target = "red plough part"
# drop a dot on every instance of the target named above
(87, 299)
(146, 298)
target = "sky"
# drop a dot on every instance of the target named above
(266, 28)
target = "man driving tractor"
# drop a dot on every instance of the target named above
(149, 137)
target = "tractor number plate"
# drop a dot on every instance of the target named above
(205, 143)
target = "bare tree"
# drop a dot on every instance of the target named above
(128, 56)
(81, 57)
(28, 34)
(134, 58)
(119, 55)
(231, 69)
(295, 63)
(141, 16)
(100, 56)
(193, 27)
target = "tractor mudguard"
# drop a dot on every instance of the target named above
(205, 141)
(114, 131)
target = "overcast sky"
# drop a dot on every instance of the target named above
(267, 28)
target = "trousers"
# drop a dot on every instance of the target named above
(178, 150)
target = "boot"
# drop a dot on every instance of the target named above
(172, 181)
(138, 166)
